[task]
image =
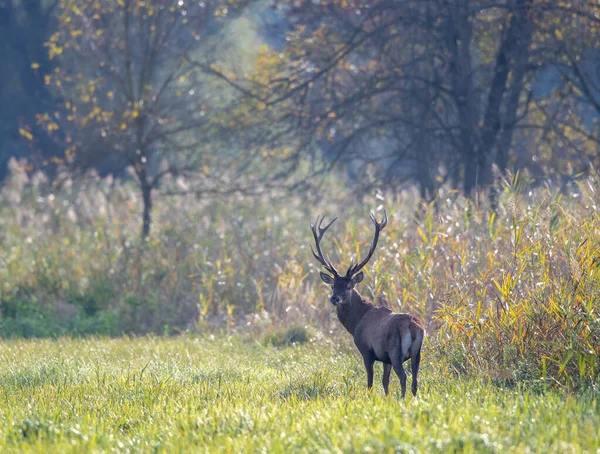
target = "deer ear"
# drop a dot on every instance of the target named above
(326, 278)
(358, 278)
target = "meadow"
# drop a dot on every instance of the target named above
(215, 333)
(234, 394)
(510, 294)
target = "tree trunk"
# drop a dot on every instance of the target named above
(471, 178)
(426, 186)
(512, 104)
(459, 36)
(423, 150)
(511, 59)
(147, 198)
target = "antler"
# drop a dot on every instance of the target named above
(326, 263)
(379, 226)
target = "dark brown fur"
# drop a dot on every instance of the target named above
(379, 334)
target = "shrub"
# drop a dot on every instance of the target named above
(281, 337)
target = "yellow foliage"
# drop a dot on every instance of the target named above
(54, 51)
(26, 134)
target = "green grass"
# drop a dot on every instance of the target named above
(228, 394)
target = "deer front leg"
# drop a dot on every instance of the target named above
(369, 361)
(387, 369)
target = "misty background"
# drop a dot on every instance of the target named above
(388, 92)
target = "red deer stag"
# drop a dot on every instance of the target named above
(379, 334)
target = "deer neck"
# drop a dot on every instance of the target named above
(351, 311)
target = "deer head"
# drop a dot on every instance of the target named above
(342, 285)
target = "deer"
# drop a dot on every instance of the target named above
(379, 334)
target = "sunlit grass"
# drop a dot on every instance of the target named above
(227, 394)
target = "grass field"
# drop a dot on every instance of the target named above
(510, 299)
(230, 394)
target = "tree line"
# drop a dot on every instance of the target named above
(242, 95)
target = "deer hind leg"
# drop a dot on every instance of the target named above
(387, 369)
(414, 363)
(369, 361)
(402, 354)
(399, 369)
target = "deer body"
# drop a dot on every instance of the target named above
(382, 335)
(379, 334)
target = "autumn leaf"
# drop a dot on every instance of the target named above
(26, 134)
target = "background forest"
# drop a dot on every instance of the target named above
(161, 162)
